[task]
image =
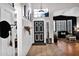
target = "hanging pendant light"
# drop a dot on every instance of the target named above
(41, 10)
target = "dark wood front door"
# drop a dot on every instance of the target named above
(39, 32)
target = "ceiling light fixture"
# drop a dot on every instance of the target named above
(41, 10)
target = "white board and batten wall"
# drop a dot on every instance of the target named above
(24, 38)
(7, 14)
(27, 37)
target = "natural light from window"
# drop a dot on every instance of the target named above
(41, 12)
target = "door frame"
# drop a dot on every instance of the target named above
(39, 33)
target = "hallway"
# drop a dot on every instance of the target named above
(63, 48)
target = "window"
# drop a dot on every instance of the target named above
(36, 37)
(41, 28)
(41, 37)
(61, 25)
(36, 28)
(69, 26)
(47, 26)
(41, 13)
(47, 29)
(25, 10)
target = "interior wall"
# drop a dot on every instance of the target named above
(24, 39)
(18, 11)
(54, 9)
(6, 14)
(27, 39)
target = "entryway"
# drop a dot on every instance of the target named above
(63, 48)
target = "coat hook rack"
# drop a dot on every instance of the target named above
(27, 28)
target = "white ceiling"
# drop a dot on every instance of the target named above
(70, 9)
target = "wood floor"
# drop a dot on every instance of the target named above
(63, 48)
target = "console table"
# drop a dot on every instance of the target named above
(72, 37)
